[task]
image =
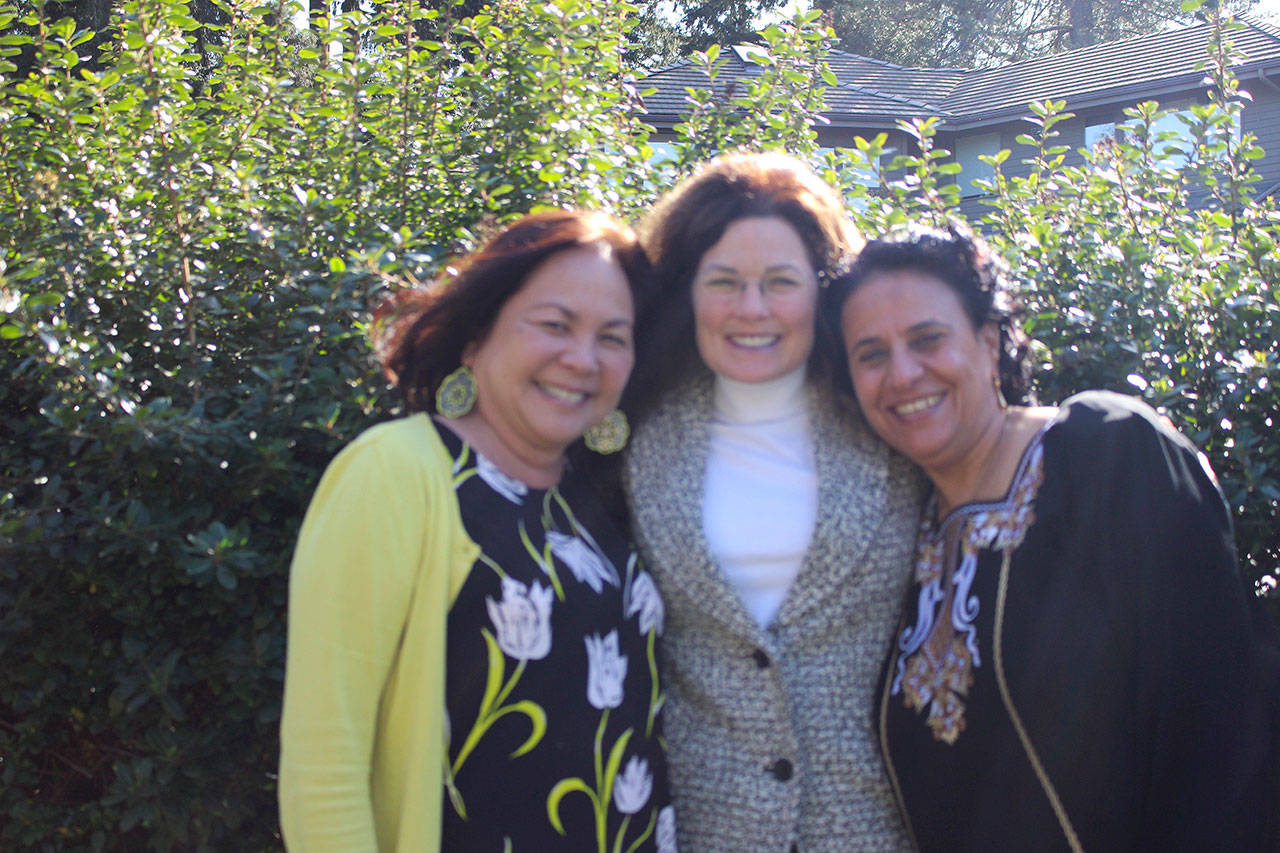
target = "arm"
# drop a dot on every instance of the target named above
(1212, 751)
(349, 593)
(1203, 685)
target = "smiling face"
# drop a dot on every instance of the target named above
(922, 373)
(754, 296)
(557, 356)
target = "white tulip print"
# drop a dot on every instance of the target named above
(522, 620)
(632, 787)
(665, 836)
(646, 601)
(509, 487)
(587, 565)
(606, 669)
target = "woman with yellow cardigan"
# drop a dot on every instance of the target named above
(471, 660)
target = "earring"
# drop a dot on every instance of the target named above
(457, 393)
(610, 435)
(1000, 400)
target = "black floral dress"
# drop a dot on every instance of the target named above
(552, 689)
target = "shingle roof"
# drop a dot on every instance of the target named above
(872, 92)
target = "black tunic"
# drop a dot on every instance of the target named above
(551, 676)
(1080, 664)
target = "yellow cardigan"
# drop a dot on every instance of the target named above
(381, 555)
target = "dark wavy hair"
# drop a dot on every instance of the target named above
(420, 333)
(963, 262)
(692, 218)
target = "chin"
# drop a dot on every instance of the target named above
(757, 375)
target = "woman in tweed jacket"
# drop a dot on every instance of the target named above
(778, 527)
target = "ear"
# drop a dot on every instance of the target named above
(469, 354)
(989, 339)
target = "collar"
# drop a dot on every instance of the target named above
(737, 402)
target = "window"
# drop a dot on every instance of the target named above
(968, 150)
(1096, 133)
(662, 151)
(1175, 151)
(867, 173)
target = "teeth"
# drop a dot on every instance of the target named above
(565, 394)
(918, 405)
(754, 341)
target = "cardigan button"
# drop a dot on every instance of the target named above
(761, 658)
(781, 769)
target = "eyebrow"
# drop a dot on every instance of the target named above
(616, 321)
(915, 327)
(716, 266)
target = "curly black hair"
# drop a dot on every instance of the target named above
(964, 262)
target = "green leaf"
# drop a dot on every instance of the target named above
(559, 791)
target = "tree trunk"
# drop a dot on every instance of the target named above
(1080, 19)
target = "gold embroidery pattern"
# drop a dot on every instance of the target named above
(938, 655)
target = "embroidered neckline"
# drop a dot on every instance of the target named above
(936, 657)
(931, 525)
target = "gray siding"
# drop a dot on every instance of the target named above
(1262, 118)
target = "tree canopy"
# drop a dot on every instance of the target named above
(936, 33)
(972, 33)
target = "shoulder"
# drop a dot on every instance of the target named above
(1105, 419)
(692, 398)
(1109, 411)
(837, 420)
(1118, 445)
(393, 458)
(412, 441)
(684, 411)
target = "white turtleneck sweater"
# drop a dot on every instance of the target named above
(760, 501)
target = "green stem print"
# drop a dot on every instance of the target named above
(656, 697)
(543, 558)
(635, 845)
(575, 527)
(460, 476)
(491, 563)
(601, 795)
(492, 710)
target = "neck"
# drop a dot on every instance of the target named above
(535, 467)
(756, 402)
(984, 473)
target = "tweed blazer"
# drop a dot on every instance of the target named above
(769, 730)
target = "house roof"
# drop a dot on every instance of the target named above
(873, 93)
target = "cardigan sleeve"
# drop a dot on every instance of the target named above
(1204, 677)
(350, 590)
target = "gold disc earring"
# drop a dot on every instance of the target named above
(610, 435)
(457, 393)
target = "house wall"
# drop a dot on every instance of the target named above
(1261, 118)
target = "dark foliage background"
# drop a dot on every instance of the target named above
(192, 230)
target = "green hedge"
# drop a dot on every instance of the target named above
(189, 244)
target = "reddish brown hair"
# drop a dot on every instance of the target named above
(420, 333)
(693, 217)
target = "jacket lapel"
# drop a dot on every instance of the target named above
(666, 467)
(852, 472)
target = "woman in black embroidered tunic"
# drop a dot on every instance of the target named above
(1080, 665)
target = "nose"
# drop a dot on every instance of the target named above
(752, 301)
(903, 368)
(580, 354)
